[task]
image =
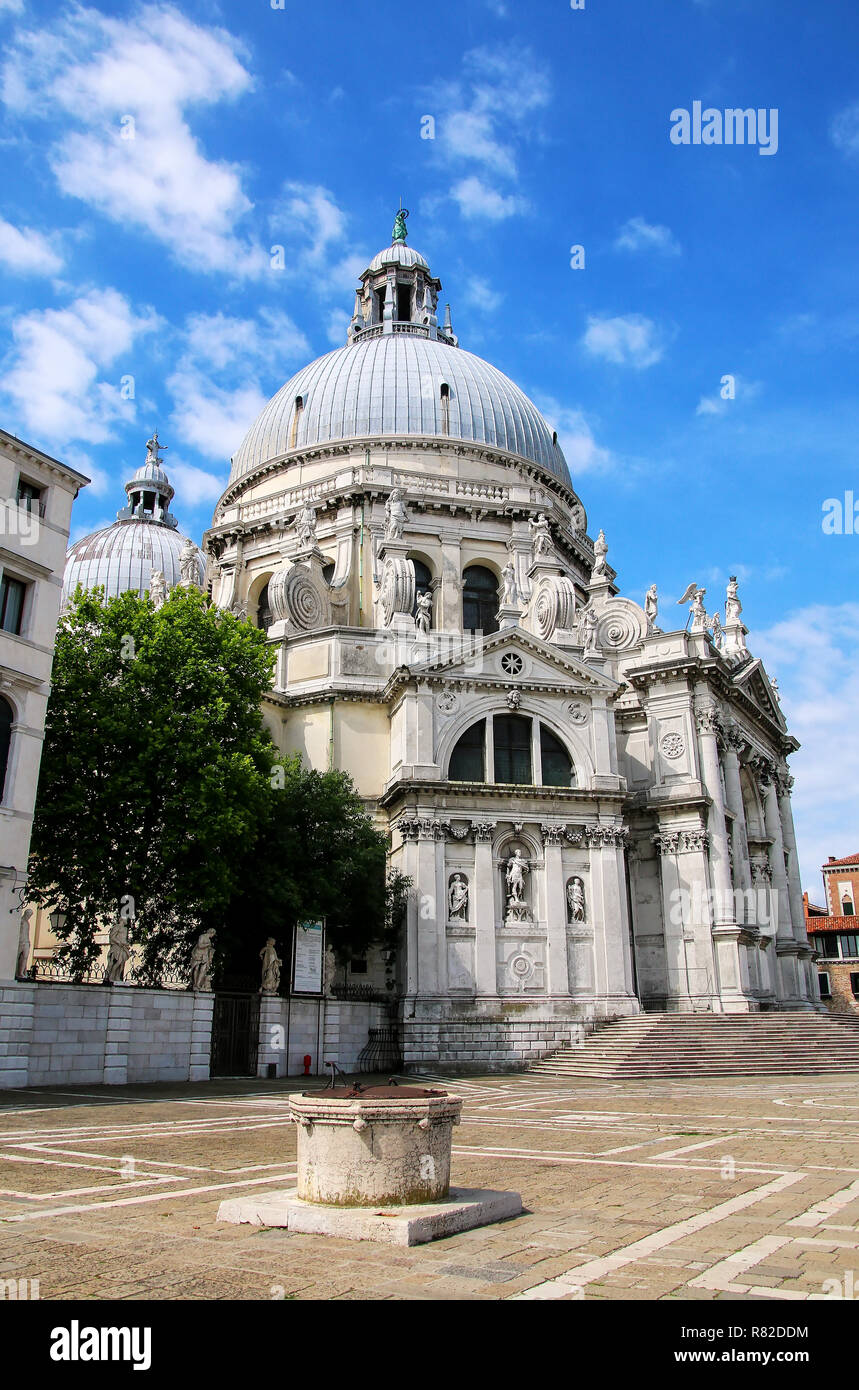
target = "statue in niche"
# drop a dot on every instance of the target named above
(576, 900)
(271, 964)
(396, 516)
(157, 588)
(203, 961)
(305, 526)
(651, 608)
(514, 876)
(23, 957)
(423, 616)
(188, 565)
(509, 593)
(118, 953)
(600, 553)
(457, 899)
(541, 536)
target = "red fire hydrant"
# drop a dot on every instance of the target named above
(307, 1060)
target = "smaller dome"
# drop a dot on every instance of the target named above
(150, 473)
(121, 558)
(398, 254)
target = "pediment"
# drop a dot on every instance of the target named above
(493, 662)
(755, 684)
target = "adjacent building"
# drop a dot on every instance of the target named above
(834, 933)
(36, 496)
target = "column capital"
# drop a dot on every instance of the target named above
(483, 831)
(707, 719)
(552, 834)
(763, 768)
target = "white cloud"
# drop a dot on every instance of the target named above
(630, 341)
(719, 405)
(14, 6)
(53, 370)
(312, 228)
(194, 485)
(844, 130)
(100, 481)
(482, 121)
(814, 655)
(575, 436)
(27, 252)
(638, 235)
(480, 295)
(478, 199)
(118, 77)
(215, 384)
(338, 324)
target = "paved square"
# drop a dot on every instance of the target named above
(695, 1189)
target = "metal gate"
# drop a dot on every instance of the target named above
(235, 1035)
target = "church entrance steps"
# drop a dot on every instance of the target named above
(668, 1045)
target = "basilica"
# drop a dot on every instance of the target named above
(592, 800)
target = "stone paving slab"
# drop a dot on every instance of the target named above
(631, 1184)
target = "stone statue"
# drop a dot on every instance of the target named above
(423, 616)
(396, 516)
(514, 700)
(576, 900)
(157, 588)
(23, 957)
(733, 607)
(188, 565)
(509, 593)
(399, 233)
(514, 876)
(600, 552)
(776, 689)
(541, 536)
(305, 525)
(118, 952)
(457, 898)
(153, 450)
(695, 596)
(651, 608)
(588, 624)
(203, 961)
(271, 964)
(718, 631)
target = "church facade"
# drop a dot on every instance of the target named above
(594, 810)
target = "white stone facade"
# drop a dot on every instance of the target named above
(36, 496)
(636, 777)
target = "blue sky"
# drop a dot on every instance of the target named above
(150, 258)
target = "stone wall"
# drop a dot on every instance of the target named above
(323, 1029)
(483, 1045)
(64, 1034)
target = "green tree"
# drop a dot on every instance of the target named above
(155, 776)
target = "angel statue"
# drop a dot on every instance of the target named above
(695, 596)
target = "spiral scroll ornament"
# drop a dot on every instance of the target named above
(554, 606)
(398, 587)
(622, 624)
(295, 597)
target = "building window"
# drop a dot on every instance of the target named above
(380, 304)
(296, 421)
(5, 740)
(358, 965)
(827, 944)
(849, 945)
(467, 763)
(512, 746)
(423, 583)
(12, 592)
(29, 496)
(479, 600)
(264, 613)
(445, 408)
(854, 983)
(557, 770)
(404, 303)
(823, 981)
(847, 907)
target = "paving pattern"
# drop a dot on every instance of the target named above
(740, 1189)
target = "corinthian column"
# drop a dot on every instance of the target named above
(733, 787)
(484, 910)
(707, 721)
(556, 910)
(784, 784)
(786, 947)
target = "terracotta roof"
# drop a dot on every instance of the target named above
(836, 863)
(815, 924)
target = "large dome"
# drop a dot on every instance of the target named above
(391, 384)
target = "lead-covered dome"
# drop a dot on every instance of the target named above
(399, 374)
(144, 538)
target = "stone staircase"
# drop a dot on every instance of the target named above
(666, 1045)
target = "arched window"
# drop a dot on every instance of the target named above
(555, 760)
(847, 907)
(265, 616)
(512, 747)
(479, 600)
(423, 582)
(467, 762)
(296, 420)
(5, 740)
(445, 408)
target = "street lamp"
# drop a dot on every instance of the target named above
(57, 919)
